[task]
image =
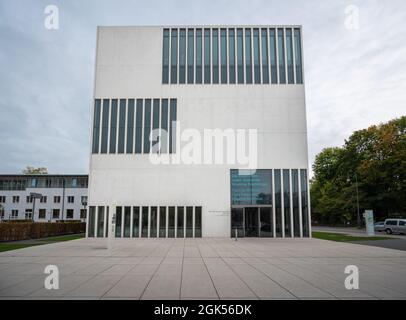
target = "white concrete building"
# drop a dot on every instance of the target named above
(62, 197)
(243, 81)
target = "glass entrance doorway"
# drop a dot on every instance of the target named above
(251, 221)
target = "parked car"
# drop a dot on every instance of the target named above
(395, 226)
(379, 226)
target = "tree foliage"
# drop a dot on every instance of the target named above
(33, 170)
(377, 158)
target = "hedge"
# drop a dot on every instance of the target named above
(34, 230)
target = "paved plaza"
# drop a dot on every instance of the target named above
(203, 269)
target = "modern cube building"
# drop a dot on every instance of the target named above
(199, 131)
(60, 197)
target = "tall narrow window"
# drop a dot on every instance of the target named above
(189, 222)
(121, 126)
(248, 58)
(272, 40)
(180, 232)
(240, 56)
(138, 129)
(136, 222)
(199, 56)
(127, 222)
(174, 56)
(172, 126)
(198, 222)
(278, 203)
(298, 56)
(207, 53)
(100, 222)
(257, 70)
(281, 56)
(162, 222)
(107, 222)
(286, 202)
(165, 57)
(305, 207)
(105, 125)
(190, 56)
(91, 221)
(164, 126)
(171, 222)
(223, 47)
(147, 126)
(295, 196)
(154, 222)
(119, 212)
(231, 60)
(96, 126)
(215, 53)
(155, 126)
(144, 222)
(182, 56)
(289, 55)
(265, 57)
(113, 125)
(130, 126)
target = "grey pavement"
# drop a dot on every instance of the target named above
(208, 268)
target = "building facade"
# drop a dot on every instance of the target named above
(199, 131)
(59, 197)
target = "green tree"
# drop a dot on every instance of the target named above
(33, 170)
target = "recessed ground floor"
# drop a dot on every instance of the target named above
(203, 268)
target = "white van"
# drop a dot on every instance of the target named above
(395, 226)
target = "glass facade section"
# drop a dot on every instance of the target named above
(100, 222)
(113, 126)
(264, 55)
(254, 188)
(127, 222)
(305, 205)
(265, 227)
(223, 47)
(138, 127)
(180, 224)
(162, 222)
(164, 126)
(289, 55)
(237, 222)
(207, 53)
(174, 56)
(295, 198)
(172, 126)
(144, 222)
(281, 56)
(248, 57)
(272, 45)
(130, 126)
(119, 212)
(231, 58)
(286, 202)
(96, 126)
(91, 221)
(240, 56)
(165, 57)
(215, 53)
(257, 70)
(171, 222)
(189, 222)
(121, 126)
(105, 125)
(182, 56)
(154, 222)
(147, 126)
(155, 126)
(278, 203)
(190, 55)
(136, 222)
(198, 222)
(298, 56)
(199, 44)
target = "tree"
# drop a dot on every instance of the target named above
(377, 156)
(33, 170)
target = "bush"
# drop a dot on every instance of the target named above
(10, 231)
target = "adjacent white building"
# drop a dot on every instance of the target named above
(60, 197)
(220, 101)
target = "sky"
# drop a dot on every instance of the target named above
(355, 69)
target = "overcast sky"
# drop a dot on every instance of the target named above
(354, 77)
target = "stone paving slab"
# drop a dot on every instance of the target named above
(208, 268)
